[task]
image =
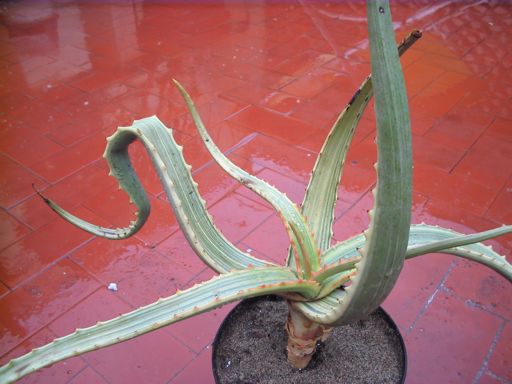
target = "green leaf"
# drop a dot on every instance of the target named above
(181, 190)
(325, 310)
(425, 239)
(322, 191)
(295, 224)
(121, 168)
(342, 264)
(332, 283)
(198, 299)
(384, 251)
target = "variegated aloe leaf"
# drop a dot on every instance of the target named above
(383, 253)
(322, 190)
(325, 310)
(302, 240)
(197, 225)
(429, 239)
(423, 239)
(200, 298)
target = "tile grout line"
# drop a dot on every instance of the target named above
(492, 347)
(10, 215)
(354, 203)
(242, 240)
(78, 372)
(468, 148)
(28, 336)
(97, 372)
(278, 171)
(438, 289)
(503, 187)
(132, 307)
(500, 379)
(48, 182)
(50, 265)
(209, 346)
(473, 304)
(228, 117)
(245, 140)
(250, 250)
(504, 321)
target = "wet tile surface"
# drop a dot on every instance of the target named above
(457, 355)
(268, 79)
(61, 373)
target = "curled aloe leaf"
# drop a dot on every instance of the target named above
(181, 190)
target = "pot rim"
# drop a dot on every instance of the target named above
(215, 343)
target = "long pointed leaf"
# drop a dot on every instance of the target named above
(322, 190)
(321, 194)
(197, 225)
(121, 168)
(294, 222)
(384, 251)
(423, 239)
(198, 299)
(430, 238)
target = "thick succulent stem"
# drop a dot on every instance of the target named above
(303, 336)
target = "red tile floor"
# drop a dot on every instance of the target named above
(269, 79)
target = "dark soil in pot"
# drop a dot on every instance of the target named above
(250, 348)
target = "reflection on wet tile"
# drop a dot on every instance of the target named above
(36, 303)
(59, 373)
(41, 248)
(11, 229)
(269, 80)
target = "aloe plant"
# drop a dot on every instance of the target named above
(324, 285)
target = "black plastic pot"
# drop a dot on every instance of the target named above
(221, 365)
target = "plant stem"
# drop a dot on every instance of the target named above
(303, 336)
